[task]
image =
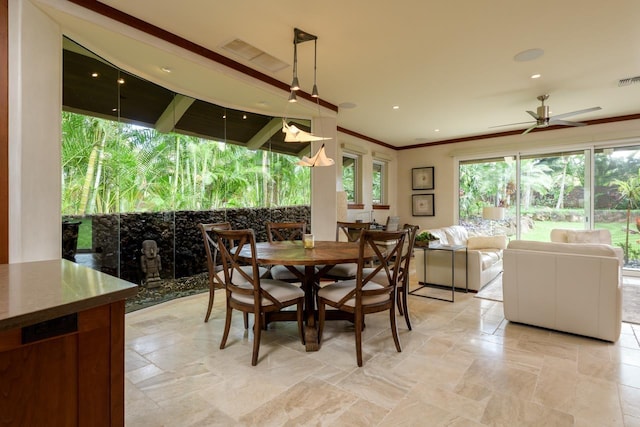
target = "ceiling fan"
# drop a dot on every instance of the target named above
(543, 120)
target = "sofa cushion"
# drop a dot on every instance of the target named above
(594, 249)
(487, 242)
(455, 235)
(566, 235)
(583, 236)
(490, 257)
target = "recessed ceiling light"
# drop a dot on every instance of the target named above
(436, 130)
(166, 69)
(536, 76)
(396, 107)
(244, 117)
(121, 80)
(528, 55)
(95, 75)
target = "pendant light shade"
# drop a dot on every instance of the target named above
(293, 134)
(320, 159)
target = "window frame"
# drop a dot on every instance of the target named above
(357, 179)
(383, 181)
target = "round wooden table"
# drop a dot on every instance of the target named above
(290, 253)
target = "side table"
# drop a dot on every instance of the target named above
(447, 248)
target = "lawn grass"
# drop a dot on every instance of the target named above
(542, 231)
(85, 234)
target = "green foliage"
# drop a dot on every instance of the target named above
(426, 235)
(111, 167)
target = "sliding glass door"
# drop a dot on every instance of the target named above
(617, 199)
(526, 195)
(552, 193)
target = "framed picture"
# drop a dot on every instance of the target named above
(423, 205)
(422, 178)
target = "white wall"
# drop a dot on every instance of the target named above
(443, 159)
(35, 79)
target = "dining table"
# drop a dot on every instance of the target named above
(316, 261)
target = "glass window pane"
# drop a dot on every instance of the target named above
(378, 183)
(350, 177)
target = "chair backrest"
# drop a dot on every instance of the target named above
(393, 223)
(387, 246)
(280, 231)
(351, 230)
(407, 252)
(211, 248)
(231, 244)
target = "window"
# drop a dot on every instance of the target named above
(378, 183)
(351, 177)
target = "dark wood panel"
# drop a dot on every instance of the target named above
(69, 380)
(37, 381)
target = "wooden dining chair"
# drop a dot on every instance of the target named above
(351, 231)
(392, 224)
(365, 294)
(282, 231)
(402, 287)
(403, 275)
(249, 293)
(216, 279)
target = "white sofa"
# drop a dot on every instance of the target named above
(574, 288)
(484, 258)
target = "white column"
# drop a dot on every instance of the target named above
(324, 181)
(35, 103)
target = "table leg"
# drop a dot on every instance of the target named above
(311, 329)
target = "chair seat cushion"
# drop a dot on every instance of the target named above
(347, 270)
(281, 272)
(380, 277)
(282, 291)
(336, 291)
(246, 268)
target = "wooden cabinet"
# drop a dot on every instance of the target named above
(73, 379)
(61, 345)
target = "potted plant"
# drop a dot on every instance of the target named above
(427, 239)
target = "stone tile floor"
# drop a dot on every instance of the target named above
(462, 365)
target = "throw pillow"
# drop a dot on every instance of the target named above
(583, 236)
(487, 242)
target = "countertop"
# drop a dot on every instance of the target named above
(33, 292)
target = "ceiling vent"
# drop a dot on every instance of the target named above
(254, 55)
(629, 81)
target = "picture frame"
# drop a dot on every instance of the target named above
(423, 205)
(422, 178)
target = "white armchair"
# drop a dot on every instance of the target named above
(574, 288)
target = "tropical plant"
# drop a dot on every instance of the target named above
(630, 191)
(114, 167)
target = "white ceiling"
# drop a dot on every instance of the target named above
(447, 64)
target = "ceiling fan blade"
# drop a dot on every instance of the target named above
(575, 113)
(530, 129)
(553, 122)
(511, 124)
(534, 115)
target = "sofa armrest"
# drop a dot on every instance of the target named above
(487, 242)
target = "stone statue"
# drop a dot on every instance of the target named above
(150, 263)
